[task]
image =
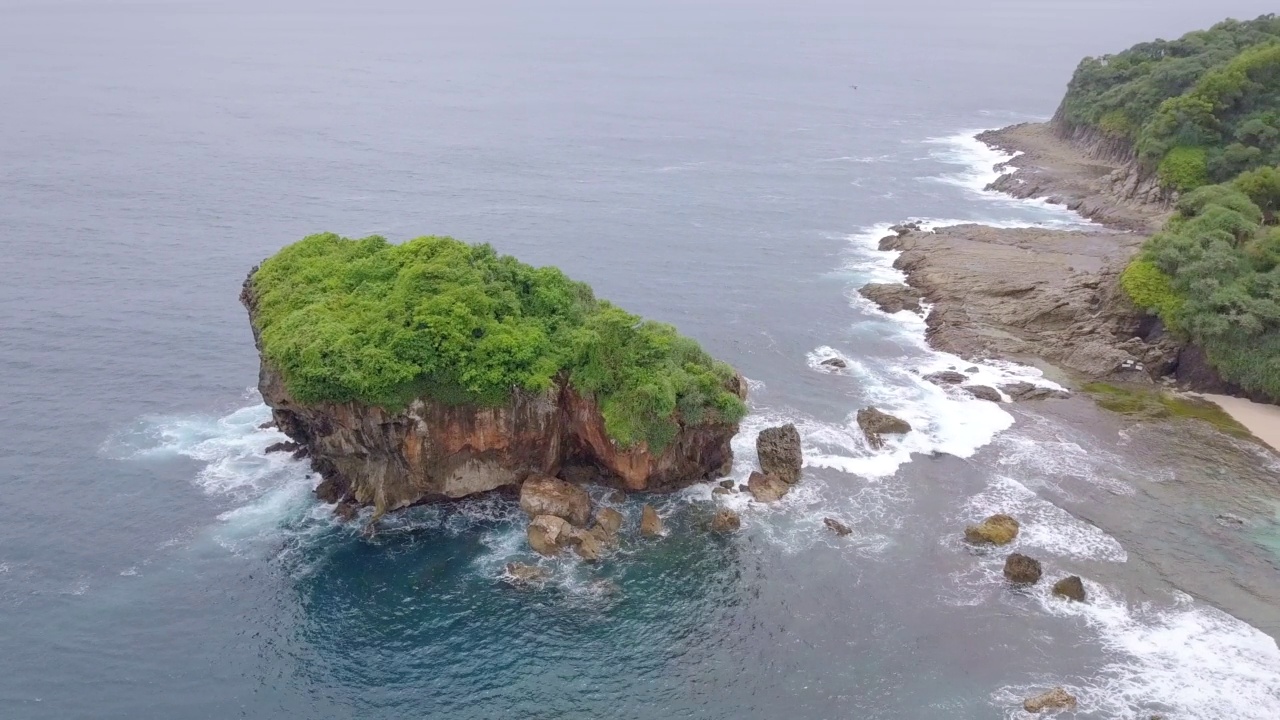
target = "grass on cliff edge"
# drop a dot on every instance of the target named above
(368, 321)
(1155, 404)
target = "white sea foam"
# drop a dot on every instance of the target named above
(1046, 528)
(1181, 659)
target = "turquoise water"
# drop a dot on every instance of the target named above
(707, 164)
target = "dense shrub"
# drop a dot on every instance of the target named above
(365, 320)
(1184, 168)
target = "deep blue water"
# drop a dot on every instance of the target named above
(710, 164)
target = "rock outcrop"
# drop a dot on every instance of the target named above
(999, 529)
(876, 424)
(610, 520)
(548, 535)
(836, 526)
(432, 450)
(725, 521)
(1070, 587)
(983, 392)
(892, 297)
(780, 454)
(946, 377)
(766, 488)
(1019, 568)
(545, 495)
(1055, 699)
(650, 522)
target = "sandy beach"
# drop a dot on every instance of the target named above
(1261, 420)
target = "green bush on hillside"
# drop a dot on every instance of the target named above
(1184, 168)
(365, 320)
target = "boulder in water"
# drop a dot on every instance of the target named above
(1055, 699)
(766, 488)
(725, 521)
(946, 377)
(779, 451)
(836, 526)
(982, 392)
(999, 529)
(545, 495)
(1021, 569)
(876, 423)
(1071, 587)
(834, 362)
(587, 544)
(549, 534)
(726, 484)
(650, 523)
(610, 520)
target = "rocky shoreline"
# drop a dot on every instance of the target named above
(1044, 296)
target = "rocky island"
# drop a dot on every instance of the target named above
(1172, 148)
(435, 370)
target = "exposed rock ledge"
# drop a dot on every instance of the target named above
(434, 451)
(1026, 293)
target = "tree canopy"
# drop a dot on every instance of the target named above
(369, 321)
(1198, 110)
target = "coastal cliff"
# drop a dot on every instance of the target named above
(438, 445)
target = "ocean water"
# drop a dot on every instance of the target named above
(727, 167)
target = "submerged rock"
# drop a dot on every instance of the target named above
(876, 423)
(549, 534)
(1055, 699)
(610, 520)
(721, 491)
(521, 574)
(779, 451)
(650, 523)
(1021, 569)
(725, 521)
(836, 526)
(999, 529)
(892, 297)
(835, 363)
(766, 488)
(982, 392)
(1070, 587)
(545, 495)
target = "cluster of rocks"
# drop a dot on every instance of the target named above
(1001, 529)
(781, 460)
(560, 519)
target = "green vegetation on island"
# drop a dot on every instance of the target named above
(1203, 114)
(369, 321)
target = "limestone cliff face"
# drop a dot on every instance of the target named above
(433, 451)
